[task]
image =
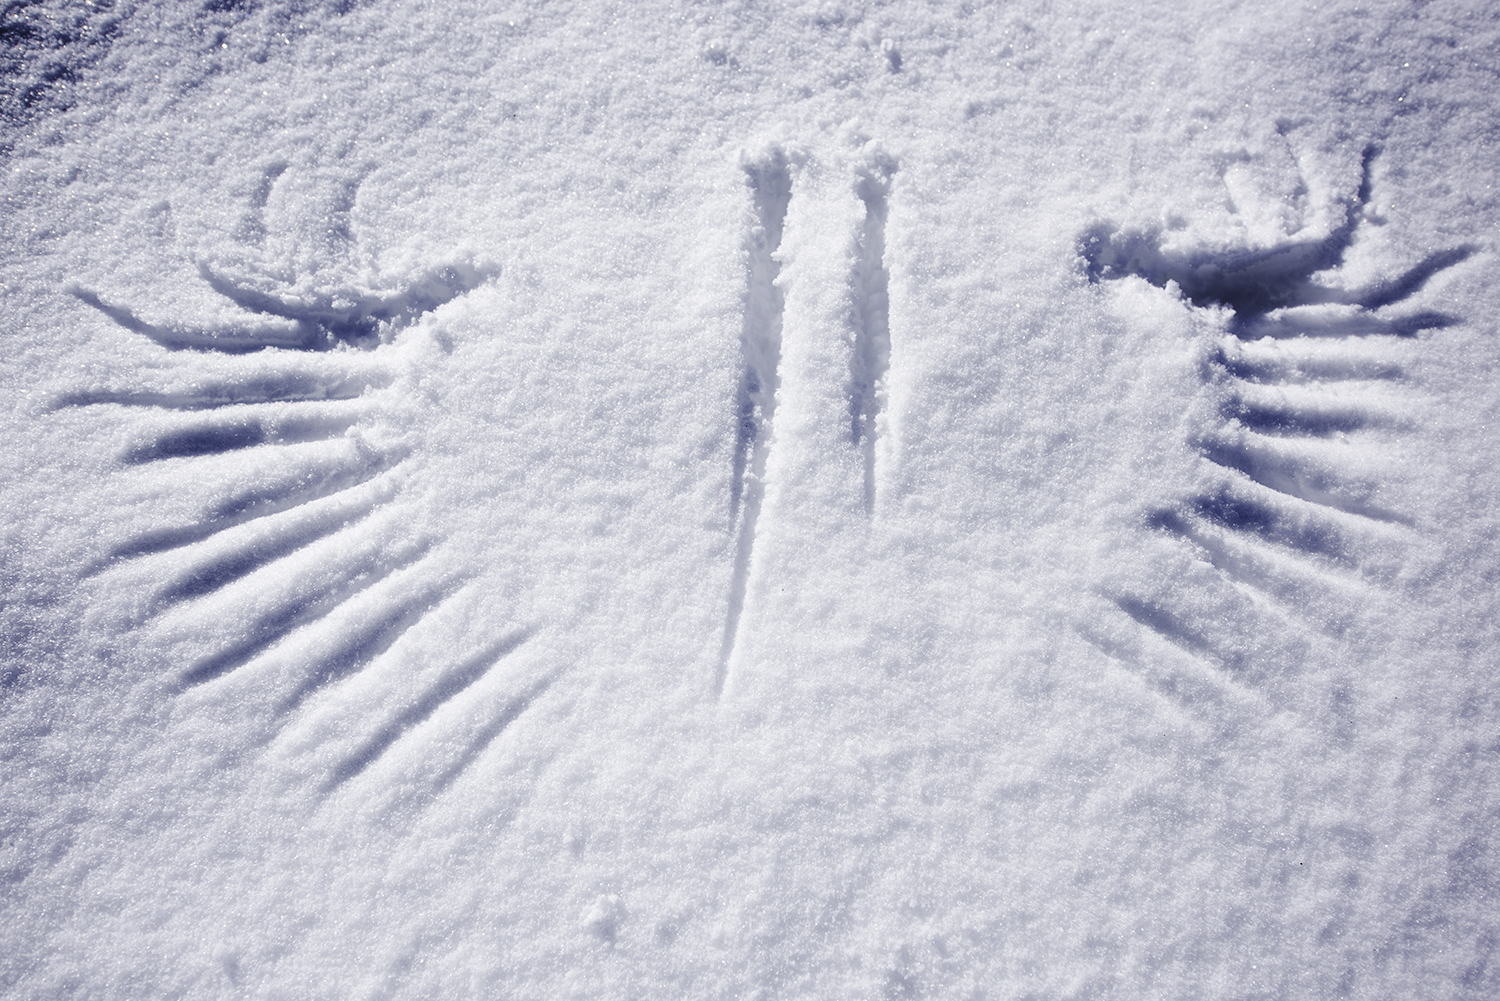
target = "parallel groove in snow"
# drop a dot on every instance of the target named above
(760, 346)
(388, 618)
(284, 387)
(453, 683)
(258, 503)
(490, 732)
(307, 422)
(224, 568)
(872, 325)
(856, 327)
(353, 574)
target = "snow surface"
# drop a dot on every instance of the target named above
(750, 500)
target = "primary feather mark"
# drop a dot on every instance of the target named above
(452, 683)
(332, 480)
(770, 186)
(491, 731)
(246, 428)
(354, 573)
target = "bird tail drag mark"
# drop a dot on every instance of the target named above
(770, 184)
(872, 330)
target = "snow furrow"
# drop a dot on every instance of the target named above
(490, 732)
(1273, 469)
(1186, 679)
(1277, 574)
(255, 504)
(306, 423)
(226, 340)
(252, 225)
(1186, 636)
(760, 346)
(290, 390)
(358, 646)
(353, 316)
(225, 568)
(872, 331)
(1302, 361)
(447, 687)
(1237, 507)
(317, 322)
(302, 607)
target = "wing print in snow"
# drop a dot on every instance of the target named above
(287, 563)
(1302, 388)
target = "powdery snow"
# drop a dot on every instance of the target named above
(755, 500)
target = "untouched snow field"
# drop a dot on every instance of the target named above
(573, 500)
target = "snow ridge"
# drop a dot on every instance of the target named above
(770, 183)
